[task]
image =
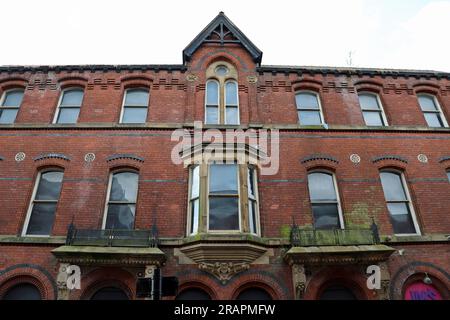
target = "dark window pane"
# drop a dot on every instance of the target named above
(13, 99)
(41, 220)
(309, 118)
(223, 213)
(307, 101)
(252, 216)
(337, 293)
(368, 102)
(49, 186)
(373, 118)
(427, 103)
(72, 98)
(321, 187)
(120, 216)
(392, 186)
(194, 215)
(212, 93)
(223, 179)
(124, 187)
(231, 93)
(326, 216)
(212, 115)
(251, 182)
(136, 98)
(8, 115)
(433, 120)
(23, 291)
(110, 293)
(193, 294)
(232, 115)
(134, 115)
(68, 115)
(401, 218)
(254, 294)
(221, 70)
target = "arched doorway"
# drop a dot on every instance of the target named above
(423, 286)
(193, 294)
(23, 291)
(254, 293)
(110, 293)
(337, 292)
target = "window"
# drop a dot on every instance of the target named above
(372, 109)
(69, 106)
(135, 105)
(193, 294)
(220, 197)
(42, 210)
(223, 197)
(110, 293)
(308, 108)
(432, 111)
(254, 294)
(23, 291)
(221, 97)
(337, 292)
(9, 106)
(398, 203)
(122, 196)
(324, 201)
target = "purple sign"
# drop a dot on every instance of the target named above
(421, 291)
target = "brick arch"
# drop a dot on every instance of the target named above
(105, 277)
(27, 273)
(13, 83)
(220, 54)
(69, 82)
(412, 271)
(350, 277)
(198, 279)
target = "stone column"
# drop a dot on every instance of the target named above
(299, 280)
(149, 274)
(61, 282)
(383, 292)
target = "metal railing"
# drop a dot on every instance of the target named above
(112, 237)
(334, 237)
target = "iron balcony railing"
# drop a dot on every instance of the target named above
(335, 237)
(111, 237)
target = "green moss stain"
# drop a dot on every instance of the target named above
(285, 231)
(361, 215)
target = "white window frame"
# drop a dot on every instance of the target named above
(189, 204)
(239, 202)
(108, 193)
(3, 97)
(31, 203)
(206, 101)
(410, 204)
(336, 190)
(383, 114)
(58, 108)
(226, 104)
(122, 111)
(322, 118)
(256, 199)
(438, 106)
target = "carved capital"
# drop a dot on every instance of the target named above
(191, 77)
(224, 271)
(149, 271)
(299, 280)
(61, 282)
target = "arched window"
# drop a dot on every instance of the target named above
(41, 213)
(254, 294)
(23, 291)
(9, 105)
(110, 293)
(337, 292)
(193, 294)
(324, 198)
(222, 95)
(308, 108)
(69, 106)
(432, 111)
(135, 106)
(372, 109)
(121, 203)
(399, 203)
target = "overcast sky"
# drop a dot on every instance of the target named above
(412, 34)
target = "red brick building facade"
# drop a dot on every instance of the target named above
(363, 178)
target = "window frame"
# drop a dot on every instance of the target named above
(319, 102)
(190, 200)
(338, 198)
(206, 101)
(256, 200)
(3, 98)
(239, 196)
(32, 201)
(58, 108)
(108, 194)
(225, 104)
(380, 105)
(122, 111)
(439, 110)
(409, 201)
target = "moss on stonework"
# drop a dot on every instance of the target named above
(285, 231)
(361, 215)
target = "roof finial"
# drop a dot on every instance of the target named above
(221, 12)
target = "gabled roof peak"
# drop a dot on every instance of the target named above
(221, 30)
